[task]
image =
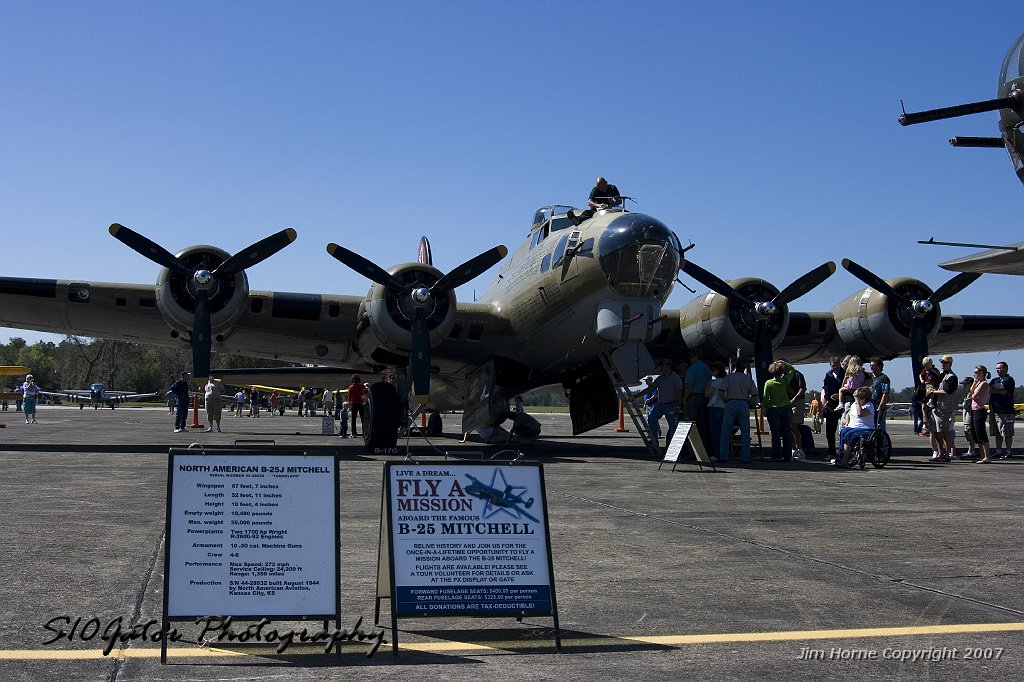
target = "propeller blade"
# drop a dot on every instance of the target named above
(713, 282)
(148, 248)
(918, 345)
(870, 278)
(201, 341)
(419, 357)
(260, 251)
(762, 354)
(804, 284)
(363, 266)
(954, 286)
(468, 270)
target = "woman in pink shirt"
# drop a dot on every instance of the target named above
(979, 410)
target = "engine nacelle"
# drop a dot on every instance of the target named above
(718, 326)
(870, 323)
(386, 315)
(176, 299)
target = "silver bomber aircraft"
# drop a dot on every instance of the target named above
(581, 306)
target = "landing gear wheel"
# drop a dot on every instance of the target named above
(380, 417)
(882, 451)
(434, 426)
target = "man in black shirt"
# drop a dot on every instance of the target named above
(602, 196)
(180, 390)
(1001, 412)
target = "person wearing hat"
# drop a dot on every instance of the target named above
(30, 392)
(180, 390)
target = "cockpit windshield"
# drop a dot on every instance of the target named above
(1013, 65)
(639, 256)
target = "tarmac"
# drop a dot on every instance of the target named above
(777, 570)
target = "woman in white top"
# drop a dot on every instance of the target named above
(861, 421)
(716, 406)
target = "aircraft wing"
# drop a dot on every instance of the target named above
(813, 337)
(292, 327)
(287, 326)
(1008, 261)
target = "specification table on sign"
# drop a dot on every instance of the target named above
(251, 534)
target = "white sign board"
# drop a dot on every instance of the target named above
(251, 535)
(686, 433)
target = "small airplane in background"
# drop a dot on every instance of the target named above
(97, 395)
(1004, 260)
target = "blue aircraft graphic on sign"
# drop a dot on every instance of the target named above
(509, 501)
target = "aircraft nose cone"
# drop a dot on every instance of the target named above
(639, 256)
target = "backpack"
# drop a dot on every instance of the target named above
(796, 383)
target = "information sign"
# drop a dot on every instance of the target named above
(252, 535)
(466, 540)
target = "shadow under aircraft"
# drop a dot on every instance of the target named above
(581, 306)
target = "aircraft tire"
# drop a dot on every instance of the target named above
(434, 425)
(380, 417)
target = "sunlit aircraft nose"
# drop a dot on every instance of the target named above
(639, 256)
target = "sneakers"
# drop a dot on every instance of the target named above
(798, 455)
(218, 429)
(208, 429)
(945, 458)
(178, 430)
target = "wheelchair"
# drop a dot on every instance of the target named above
(875, 447)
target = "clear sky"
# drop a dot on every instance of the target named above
(765, 132)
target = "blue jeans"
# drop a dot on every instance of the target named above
(668, 411)
(880, 418)
(737, 412)
(716, 415)
(181, 414)
(779, 421)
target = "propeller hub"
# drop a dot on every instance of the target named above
(421, 296)
(922, 308)
(203, 279)
(765, 309)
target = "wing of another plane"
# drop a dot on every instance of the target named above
(1008, 260)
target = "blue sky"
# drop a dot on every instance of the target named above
(765, 132)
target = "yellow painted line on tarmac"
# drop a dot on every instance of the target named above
(451, 645)
(852, 633)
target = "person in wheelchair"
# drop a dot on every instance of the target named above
(860, 424)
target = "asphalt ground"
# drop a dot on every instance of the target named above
(795, 569)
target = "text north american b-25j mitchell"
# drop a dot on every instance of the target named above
(581, 306)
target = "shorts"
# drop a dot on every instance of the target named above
(929, 419)
(1001, 424)
(945, 415)
(799, 412)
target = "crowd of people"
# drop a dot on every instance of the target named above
(853, 402)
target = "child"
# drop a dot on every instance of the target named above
(343, 426)
(855, 377)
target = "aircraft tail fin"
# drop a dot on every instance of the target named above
(424, 255)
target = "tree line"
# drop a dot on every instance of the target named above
(77, 362)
